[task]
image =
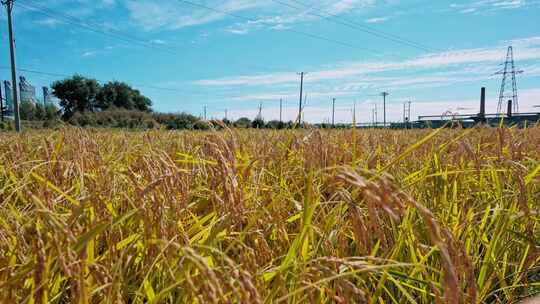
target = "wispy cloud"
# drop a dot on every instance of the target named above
(49, 22)
(89, 54)
(171, 15)
(487, 6)
(158, 41)
(272, 22)
(284, 19)
(377, 20)
(342, 6)
(481, 58)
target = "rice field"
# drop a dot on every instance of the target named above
(253, 216)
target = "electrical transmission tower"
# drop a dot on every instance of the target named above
(407, 111)
(509, 71)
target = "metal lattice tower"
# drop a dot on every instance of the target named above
(508, 71)
(407, 111)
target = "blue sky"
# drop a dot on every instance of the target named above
(197, 56)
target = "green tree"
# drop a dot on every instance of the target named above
(275, 124)
(27, 110)
(243, 122)
(121, 95)
(39, 112)
(76, 94)
(258, 123)
(51, 112)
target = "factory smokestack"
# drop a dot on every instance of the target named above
(482, 114)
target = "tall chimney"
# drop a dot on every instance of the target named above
(482, 103)
(509, 111)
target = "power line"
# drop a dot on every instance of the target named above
(142, 85)
(110, 32)
(364, 28)
(58, 75)
(314, 36)
(93, 27)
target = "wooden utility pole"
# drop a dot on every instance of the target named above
(333, 112)
(9, 7)
(384, 94)
(1, 105)
(302, 74)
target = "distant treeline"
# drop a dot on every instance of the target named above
(85, 102)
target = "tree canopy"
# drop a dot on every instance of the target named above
(121, 95)
(80, 94)
(76, 94)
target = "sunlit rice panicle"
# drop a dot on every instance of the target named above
(261, 216)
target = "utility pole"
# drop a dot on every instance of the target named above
(384, 94)
(226, 114)
(333, 112)
(281, 110)
(9, 7)
(302, 74)
(304, 104)
(376, 114)
(1, 105)
(45, 96)
(354, 114)
(204, 113)
(409, 111)
(260, 111)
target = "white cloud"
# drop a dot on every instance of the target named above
(342, 6)
(486, 6)
(49, 22)
(468, 10)
(483, 60)
(173, 15)
(272, 22)
(377, 20)
(309, 11)
(89, 54)
(158, 41)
